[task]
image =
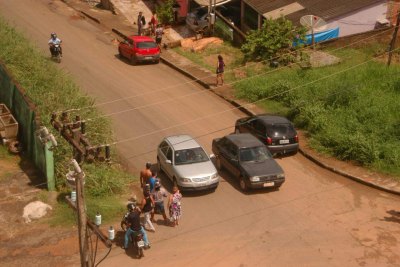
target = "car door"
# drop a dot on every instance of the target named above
(223, 155)
(164, 153)
(247, 126)
(259, 130)
(233, 160)
(169, 167)
(124, 47)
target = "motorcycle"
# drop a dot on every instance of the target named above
(56, 55)
(135, 238)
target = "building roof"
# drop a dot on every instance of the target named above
(294, 10)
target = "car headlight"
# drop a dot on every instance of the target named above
(280, 176)
(214, 176)
(254, 179)
(185, 180)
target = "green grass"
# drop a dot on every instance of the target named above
(210, 53)
(53, 90)
(352, 115)
(111, 208)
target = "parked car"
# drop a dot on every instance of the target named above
(276, 132)
(139, 49)
(198, 19)
(186, 163)
(248, 160)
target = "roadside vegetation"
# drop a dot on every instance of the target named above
(348, 111)
(52, 90)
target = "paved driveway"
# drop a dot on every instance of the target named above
(316, 218)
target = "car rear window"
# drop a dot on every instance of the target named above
(188, 156)
(280, 129)
(145, 45)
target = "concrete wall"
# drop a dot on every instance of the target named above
(361, 20)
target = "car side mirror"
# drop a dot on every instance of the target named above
(168, 161)
(212, 156)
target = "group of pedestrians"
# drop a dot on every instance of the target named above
(152, 203)
(153, 200)
(153, 27)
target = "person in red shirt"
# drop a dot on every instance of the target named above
(153, 23)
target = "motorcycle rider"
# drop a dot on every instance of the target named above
(54, 40)
(134, 226)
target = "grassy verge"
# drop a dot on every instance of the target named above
(52, 90)
(352, 115)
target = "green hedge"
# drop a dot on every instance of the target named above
(53, 90)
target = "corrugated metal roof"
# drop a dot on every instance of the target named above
(321, 8)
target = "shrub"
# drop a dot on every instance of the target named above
(273, 41)
(165, 13)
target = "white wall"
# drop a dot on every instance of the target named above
(361, 20)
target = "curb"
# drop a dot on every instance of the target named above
(248, 112)
(347, 175)
(187, 74)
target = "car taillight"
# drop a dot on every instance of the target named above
(296, 139)
(269, 141)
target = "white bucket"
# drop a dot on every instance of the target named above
(111, 233)
(97, 220)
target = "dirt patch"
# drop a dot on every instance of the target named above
(21, 184)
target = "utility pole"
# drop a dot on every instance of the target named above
(86, 260)
(394, 37)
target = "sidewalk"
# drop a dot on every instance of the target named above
(122, 24)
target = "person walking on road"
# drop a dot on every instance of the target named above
(174, 205)
(141, 22)
(147, 208)
(220, 70)
(145, 175)
(158, 195)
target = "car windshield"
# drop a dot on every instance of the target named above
(280, 129)
(259, 153)
(189, 156)
(145, 45)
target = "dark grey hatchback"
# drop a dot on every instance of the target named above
(276, 132)
(248, 160)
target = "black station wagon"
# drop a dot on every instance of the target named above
(276, 132)
(248, 160)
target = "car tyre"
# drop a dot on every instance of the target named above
(242, 184)
(133, 60)
(120, 53)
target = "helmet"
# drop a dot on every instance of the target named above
(130, 206)
(53, 35)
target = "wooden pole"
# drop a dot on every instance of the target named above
(86, 260)
(394, 37)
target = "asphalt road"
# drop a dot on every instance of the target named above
(316, 219)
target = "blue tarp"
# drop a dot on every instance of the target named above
(321, 36)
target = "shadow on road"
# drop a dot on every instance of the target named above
(394, 218)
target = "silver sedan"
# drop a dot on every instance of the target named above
(186, 163)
